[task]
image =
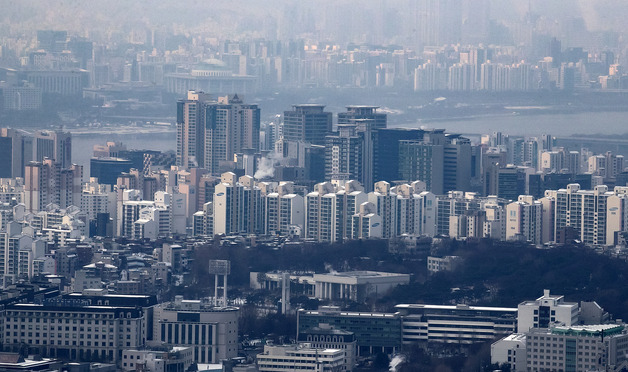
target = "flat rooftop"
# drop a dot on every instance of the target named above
(515, 337)
(589, 328)
(561, 304)
(364, 274)
(455, 307)
(349, 313)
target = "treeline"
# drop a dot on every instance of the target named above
(492, 273)
(505, 274)
(353, 255)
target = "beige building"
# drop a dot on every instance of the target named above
(66, 331)
(211, 332)
(289, 358)
(356, 285)
(577, 348)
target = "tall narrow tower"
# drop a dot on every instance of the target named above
(191, 114)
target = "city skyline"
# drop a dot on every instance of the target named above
(257, 186)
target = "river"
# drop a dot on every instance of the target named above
(83, 145)
(558, 125)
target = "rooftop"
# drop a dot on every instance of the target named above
(350, 313)
(592, 329)
(363, 274)
(515, 337)
(279, 350)
(455, 307)
(327, 330)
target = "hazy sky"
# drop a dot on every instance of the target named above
(225, 17)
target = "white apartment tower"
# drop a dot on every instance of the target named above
(366, 223)
(524, 220)
(283, 209)
(237, 205)
(585, 211)
(329, 210)
(416, 209)
(318, 212)
(385, 203)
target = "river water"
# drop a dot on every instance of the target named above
(83, 145)
(558, 125)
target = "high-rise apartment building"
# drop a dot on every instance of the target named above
(308, 123)
(455, 203)
(585, 211)
(359, 114)
(231, 127)
(41, 184)
(55, 145)
(385, 203)
(329, 210)
(366, 223)
(46, 182)
(416, 209)
(422, 161)
(15, 152)
(210, 132)
(344, 155)
(524, 220)
(362, 122)
(284, 211)
(12, 242)
(386, 154)
(237, 206)
(430, 77)
(319, 212)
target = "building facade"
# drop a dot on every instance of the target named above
(211, 332)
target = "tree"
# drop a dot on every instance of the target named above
(381, 362)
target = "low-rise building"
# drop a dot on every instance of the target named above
(210, 331)
(546, 310)
(447, 263)
(69, 330)
(459, 324)
(288, 358)
(602, 347)
(356, 285)
(510, 351)
(16, 362)
(175, 359)
(300, 283)
(374, 332)
(326, 337)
